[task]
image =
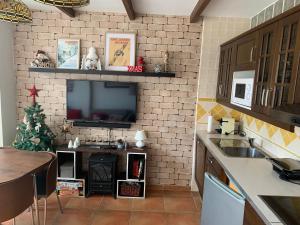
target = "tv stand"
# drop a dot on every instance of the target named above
(100, 124)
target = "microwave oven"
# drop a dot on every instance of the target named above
(242, 88)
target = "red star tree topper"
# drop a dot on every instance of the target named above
(33, 93)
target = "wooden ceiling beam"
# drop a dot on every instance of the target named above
(129, 9)
(68, 11)
(198, 10)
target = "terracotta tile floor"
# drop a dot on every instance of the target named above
(159, 208)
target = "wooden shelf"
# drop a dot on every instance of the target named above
(100, 72)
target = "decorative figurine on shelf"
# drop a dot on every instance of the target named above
(76, 143)
(140, 137)
(120, 144)
(157, 68)
(141, 63)
(42, 60)
(91, 61)
(33, 134)
(139, 68)
(70, 145)
(66, 127)
(166, 61)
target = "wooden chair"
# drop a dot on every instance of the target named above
(46, 185)
(15, 197)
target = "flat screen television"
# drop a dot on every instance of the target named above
(101, 101)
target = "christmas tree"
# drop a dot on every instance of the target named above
(33, 134)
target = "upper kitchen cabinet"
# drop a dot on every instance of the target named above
(285, 86)
(264, 70)
(287, 62)
(245, 57)
(225, 73)
(272, 50)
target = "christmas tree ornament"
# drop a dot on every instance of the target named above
(33, 93)
(70, 145)
(25, 119)
(37, 127)
(35, 140)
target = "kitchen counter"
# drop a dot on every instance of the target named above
(254, 177)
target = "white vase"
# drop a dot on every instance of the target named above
(70, 145)
(140, 144)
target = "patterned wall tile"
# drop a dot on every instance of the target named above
(285, 140)
(236, 115)
(271, 130)
(287, 137)
(278, 7)
(288, 4)
(200, 112)
(259, 124)
(218, 112)
(254, 21)
(261, 17)
(269, 12)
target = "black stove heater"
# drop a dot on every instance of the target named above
(102, 174)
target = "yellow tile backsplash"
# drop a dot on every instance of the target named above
(286, 140)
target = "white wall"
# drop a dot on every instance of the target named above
(7, 85)
(216, 31)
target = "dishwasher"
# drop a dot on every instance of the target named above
(221, 205)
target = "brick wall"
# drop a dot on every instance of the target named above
(165, 105)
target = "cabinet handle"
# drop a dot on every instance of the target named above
(251, 54)
(266, 98)
(220, 89)
(262, 97)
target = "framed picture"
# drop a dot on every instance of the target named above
(68, 54)
(120, 51)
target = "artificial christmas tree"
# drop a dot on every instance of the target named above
(33, 134)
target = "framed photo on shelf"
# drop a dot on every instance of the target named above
(68, 54)
(120, 49)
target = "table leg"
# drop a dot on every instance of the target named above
(36, 200)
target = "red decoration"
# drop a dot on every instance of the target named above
(33, 93)
(135, 69)
(141, 61)
(135, 168)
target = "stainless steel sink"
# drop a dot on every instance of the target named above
(237, 148)
(242, 152)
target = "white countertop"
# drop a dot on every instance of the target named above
(253, 176)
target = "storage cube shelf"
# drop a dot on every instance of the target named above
(69, 180)
(135, 184)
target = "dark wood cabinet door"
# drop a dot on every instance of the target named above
(213, 167)
(287, 62)
(200, 164)
(245, 57)
(264, 70)
(251, 217)
(225, 73)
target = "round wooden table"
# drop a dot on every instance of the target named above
(17, 163)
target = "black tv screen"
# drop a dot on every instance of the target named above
(104, 101)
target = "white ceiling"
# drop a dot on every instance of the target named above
(217, 8)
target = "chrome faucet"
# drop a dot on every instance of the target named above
(251, 142)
